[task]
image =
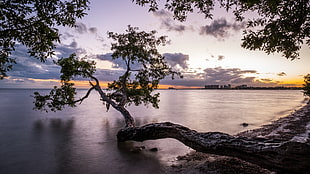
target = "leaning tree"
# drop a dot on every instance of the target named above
(144, 69)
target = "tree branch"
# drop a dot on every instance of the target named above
(83, 98)
(273, 154)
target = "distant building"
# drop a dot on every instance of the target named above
(242, 87)
(226, 86)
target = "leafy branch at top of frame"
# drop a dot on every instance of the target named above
(278, 26)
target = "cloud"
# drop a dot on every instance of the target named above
(108, 75)
(227, 76)
(266, 80)
(64, 50)
(167, 21)
(118, 63)
(220, 28)
(177, 59)
(162, 13)
(220, 57)
(73, 44)
(80, 28)
(29, 67)
(282, 74)
(221, 76)
(93, 30)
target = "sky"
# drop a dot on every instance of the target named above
(205, 51)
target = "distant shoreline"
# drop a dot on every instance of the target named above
(249, 88)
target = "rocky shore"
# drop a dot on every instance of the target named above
(294, 127)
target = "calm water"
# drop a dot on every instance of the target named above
(83, 139)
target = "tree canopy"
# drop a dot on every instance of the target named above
(306, 87)
(145, 67)
(33, 23)
(281, 25)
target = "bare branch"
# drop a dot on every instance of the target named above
(83, 98)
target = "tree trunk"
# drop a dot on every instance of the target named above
(129, 121)
(281, 156)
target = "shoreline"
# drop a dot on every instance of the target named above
(293, 127)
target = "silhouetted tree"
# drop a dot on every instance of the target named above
(32, 23)
(145, 67)
(280, 26)
(306, 87)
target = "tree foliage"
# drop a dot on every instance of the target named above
(281, 25)
(306, 87)
(58, 98)
(145, 67)
(33, 23)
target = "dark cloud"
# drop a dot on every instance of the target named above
(177, 59)
(93, 30)
(221, 76)
(282, 74)
(162, 13)
(108, 75)
(80, 28)
(167, 21)
(29, 67)
(73, 44)
(66, 50)
(67, 35)
(227, 76)
(220, 57)
(220, 28)
(266, 80)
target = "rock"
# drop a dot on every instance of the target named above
(154, 149)
(137, 149)
(244, 124)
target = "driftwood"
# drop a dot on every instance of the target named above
(273, 154)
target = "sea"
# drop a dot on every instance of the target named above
(82, 140)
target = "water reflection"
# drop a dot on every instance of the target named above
(83, 139)
(73, 151)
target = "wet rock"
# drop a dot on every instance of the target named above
(154, 149)
(244, 124)
(137, 149)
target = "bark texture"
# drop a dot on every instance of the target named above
(277, 155)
